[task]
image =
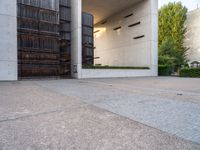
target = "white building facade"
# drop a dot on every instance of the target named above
(125, 35)
(192, 40)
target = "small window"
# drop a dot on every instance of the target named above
(138, 37)
(104, 22)
(96, 31)
(96, 57)
(128, 15)
(134, 24)
(117, 28)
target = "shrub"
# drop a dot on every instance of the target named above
(166, 60)
(164, 70)
(190, 72)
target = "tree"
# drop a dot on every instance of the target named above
(167, 48)
(172, 31)
(167, 60)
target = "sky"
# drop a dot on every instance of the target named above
(190, 4)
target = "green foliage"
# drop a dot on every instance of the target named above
(172, 30)
(190, 72)
(168, 55)
(164, 70)
(166, 60)
(167, 48)
(166, 65)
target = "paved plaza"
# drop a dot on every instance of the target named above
(123, 113)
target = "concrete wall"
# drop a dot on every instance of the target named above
(119, 48)
(108, 73)
(76, 38)
(193, 35)
(8, 36)
(8, 42)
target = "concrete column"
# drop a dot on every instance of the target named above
(154, 36)
(76, 38)
(8, 42)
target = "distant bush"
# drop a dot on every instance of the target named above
(190, 72)
(164, 70)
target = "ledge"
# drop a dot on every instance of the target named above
(116, 67)
(116, 73)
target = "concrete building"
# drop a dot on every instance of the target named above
(192, 40)
(125, 35)
(8, 42)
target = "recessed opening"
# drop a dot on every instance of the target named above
(96, 31)
(138, 37)
(117, 28)
(127, 16)
(134, 24)
(104, 22)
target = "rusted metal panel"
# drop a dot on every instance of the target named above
(45, 4)
(44, 37)
(38, 38)
(65, 35)
(30, 70)
(66, 3)
(87, 39)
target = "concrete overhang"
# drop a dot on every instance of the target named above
(102, 9)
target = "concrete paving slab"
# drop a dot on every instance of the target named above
(85, 128)
(20, 99)
(169, 104)
(51, 115)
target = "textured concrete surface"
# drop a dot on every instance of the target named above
(169, 104)
(101, 9)
(76, 38)
(8, 42)
(192, 39)
(53, 114)
(118, 47)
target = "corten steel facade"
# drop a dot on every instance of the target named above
(87, 39)
(65, 37)
(44, 38)
(54, 38)
(38, 38)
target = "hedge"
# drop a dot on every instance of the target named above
(190, 72)
(164, 70)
